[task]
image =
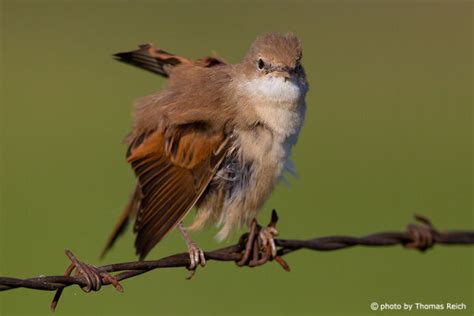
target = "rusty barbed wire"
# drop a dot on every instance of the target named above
(248, 252)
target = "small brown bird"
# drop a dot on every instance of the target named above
(218, 137)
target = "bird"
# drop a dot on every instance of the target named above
(217, 138)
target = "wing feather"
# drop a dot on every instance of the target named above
(131, 209)
(173, 167)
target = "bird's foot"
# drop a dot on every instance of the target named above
(196, 257)
(259, 245)
(266, 240)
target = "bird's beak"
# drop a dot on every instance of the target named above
(282, 74)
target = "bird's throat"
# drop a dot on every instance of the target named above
(274, 89)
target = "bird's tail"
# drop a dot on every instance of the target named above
(130, 210)
(160, 62)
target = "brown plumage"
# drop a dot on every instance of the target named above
(217, 137)
(159, 61)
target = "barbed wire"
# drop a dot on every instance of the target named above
(249, 251)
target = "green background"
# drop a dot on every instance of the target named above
(388, 133)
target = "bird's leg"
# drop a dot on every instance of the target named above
(196, 255)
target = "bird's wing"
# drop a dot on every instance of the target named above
(130, 209)
(160, 62)
(173, 167)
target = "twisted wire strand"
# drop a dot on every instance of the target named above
(421, 236)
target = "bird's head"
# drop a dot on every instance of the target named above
(273, 67)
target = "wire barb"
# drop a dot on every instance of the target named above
(93, 277)
(423, 235)
(259, 245)
(251, 251)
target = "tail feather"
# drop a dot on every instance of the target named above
(130, 210)
(159, 61)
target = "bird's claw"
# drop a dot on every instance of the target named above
(266, 240)
(259, 245)
(196, 258)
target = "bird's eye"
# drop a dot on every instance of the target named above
(260, 64)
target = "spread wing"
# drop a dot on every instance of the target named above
(160, 62)
(130, 209)
(173, 168)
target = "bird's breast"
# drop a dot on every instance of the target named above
(263, 150)
(249, 173)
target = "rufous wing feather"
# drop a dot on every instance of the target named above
(173, 168)
(130, 210)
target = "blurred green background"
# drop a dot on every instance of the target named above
(388, 133)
